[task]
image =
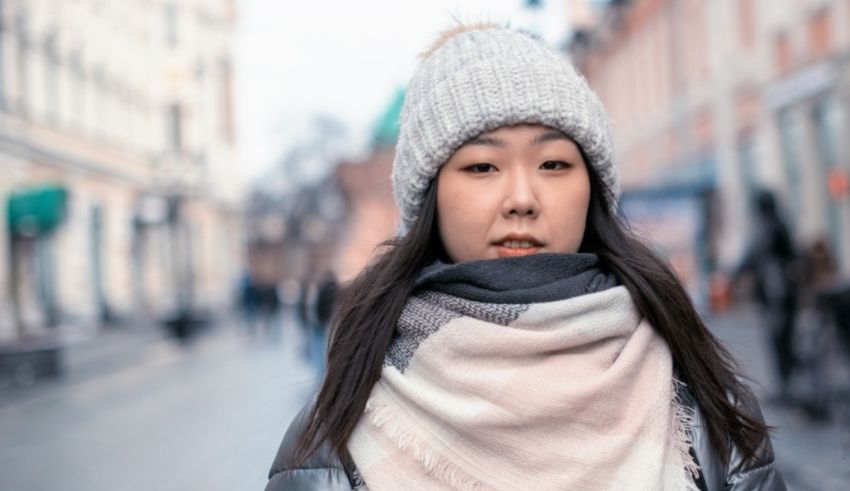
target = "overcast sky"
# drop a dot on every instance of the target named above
(346, 59)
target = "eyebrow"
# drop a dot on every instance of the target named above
(487, 141)
(551, 135)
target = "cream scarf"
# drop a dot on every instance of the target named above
(576, 393)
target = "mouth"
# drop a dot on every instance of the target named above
(514, 245)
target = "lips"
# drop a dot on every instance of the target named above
(517, 245)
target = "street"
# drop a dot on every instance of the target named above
(209, 416)
(139, 412)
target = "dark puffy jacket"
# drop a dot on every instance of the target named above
(326, 471)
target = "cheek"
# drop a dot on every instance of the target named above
(461, 219)
(453, 202)
(452, 209)
(569, 218)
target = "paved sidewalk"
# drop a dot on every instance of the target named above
(141, 412)
(90, 352)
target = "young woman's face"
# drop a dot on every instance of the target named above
(514, 191)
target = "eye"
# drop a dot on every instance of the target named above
(480, 168)
(554, 165)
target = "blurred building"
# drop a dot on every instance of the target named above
(294, 235)
(373, 215)
(330, 224)
(117, 158)
(712, 100)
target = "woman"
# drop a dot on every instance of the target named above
(516, 335)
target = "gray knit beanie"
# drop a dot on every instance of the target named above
(482, 78)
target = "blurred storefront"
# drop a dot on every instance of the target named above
(724, 97)
(679, 221)
(33, 217)
(117, 158)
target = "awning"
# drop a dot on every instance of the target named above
(36, 211)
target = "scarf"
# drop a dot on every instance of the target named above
(535, 372)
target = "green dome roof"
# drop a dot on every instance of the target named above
(386, 131)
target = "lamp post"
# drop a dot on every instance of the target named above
(177, 176)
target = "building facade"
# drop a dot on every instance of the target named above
(713, 100)
(124, 110)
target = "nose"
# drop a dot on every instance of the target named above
(520, 199)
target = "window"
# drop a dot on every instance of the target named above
(789, 141)
(98, 95)
(21, 65)
(175, 127)
(745, 150)
(226, 100)
(747, 23)
(783, 52)
(826, 116)
(819, 33)
(77, 92)
(2, 57)
(171, 24)
(51, 76)
(827, 119)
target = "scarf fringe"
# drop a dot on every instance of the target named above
(436, 465)
(683, 420)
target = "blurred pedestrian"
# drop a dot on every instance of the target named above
(306, 316)
(249, 301)
(304, 304)
(325, 299)
(516, 335)
(268, 309)
(777, 270)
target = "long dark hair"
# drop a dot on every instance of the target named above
(370, 306)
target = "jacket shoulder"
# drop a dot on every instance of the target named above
(761, 472)
(323, 470)
(757, 474)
